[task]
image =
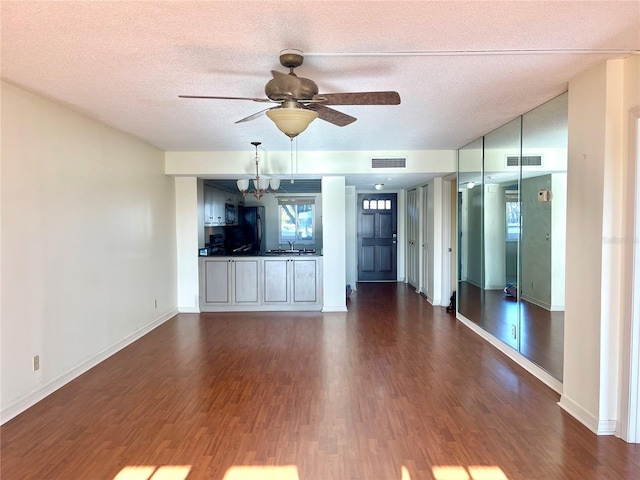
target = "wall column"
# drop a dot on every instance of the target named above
(599, 104)
(334, 244)
(187, 243)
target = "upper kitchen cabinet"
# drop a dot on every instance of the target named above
(220, 207)
(213, 206)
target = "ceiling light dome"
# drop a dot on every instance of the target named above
(291, 119)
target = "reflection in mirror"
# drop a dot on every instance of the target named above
(543, 204)
(470, 231)
(511, 233)
(501, 221)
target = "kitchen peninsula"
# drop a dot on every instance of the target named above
(280, 280)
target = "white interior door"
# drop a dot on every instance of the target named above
(425, 242)
(412, 238)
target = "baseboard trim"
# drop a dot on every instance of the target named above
(326, 309)
(188, 310)
(599, 427)
(517, 357)
(535, 301)
(22, 404)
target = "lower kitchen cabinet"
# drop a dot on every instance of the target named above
(291, 281)
(276, 283)
(304, 281)
(215, 280)
(229, 281)
(260, 283)
(245, 273)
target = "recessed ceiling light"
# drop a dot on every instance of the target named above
(379, 186)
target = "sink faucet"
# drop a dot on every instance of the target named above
(291, 245)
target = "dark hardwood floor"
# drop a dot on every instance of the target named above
(394, 389)
(540, 335)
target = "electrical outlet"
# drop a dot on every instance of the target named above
(513, 332)
(36, 362)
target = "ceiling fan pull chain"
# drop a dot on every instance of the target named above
(292, 159)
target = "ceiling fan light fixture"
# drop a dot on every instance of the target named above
(292, 121)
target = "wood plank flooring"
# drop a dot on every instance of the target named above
(540, 336)
(392, 390)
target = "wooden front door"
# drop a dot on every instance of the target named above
(377, 237)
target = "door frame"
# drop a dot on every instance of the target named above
(395, 209)
(629, 399)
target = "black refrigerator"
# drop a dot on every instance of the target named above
(246, 238)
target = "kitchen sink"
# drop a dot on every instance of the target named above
(291, 252)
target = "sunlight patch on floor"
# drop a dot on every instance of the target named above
(151, 472)
(454, 472)
(286, 472)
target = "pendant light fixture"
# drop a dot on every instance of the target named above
(261, 185)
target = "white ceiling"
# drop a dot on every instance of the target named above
(125, 63)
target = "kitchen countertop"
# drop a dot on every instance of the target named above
(267, 254)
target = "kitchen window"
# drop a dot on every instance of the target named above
(296, 220)
(512, 215)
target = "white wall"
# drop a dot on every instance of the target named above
(494, 237)
(434, 219)
(558, 240)
(598, 120)
(334, 259)
(308, 164)
(188, 227)
(351, 236)
(473, 216)
(535, 246)
(88, 245)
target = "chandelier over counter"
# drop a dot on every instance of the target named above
(261, 185)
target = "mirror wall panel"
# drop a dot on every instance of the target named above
(470, 267)
(511, 233)
(544, 205)
(501, 232)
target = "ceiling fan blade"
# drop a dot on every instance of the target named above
(288, 84)
(262, 100)
(332, 116)
(360, 98)
(253, 116)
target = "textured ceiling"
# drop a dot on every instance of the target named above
(125, 63)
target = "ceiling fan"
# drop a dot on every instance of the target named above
(299, 100)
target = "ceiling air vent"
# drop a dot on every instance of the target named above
(527, 161)
(398, 162)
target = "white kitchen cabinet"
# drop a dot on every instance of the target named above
(276, 281)
(215, 281)
(214, 213)
(245, 277)
(260, 283)
(291, 280)
(304, 281)
(228, 281)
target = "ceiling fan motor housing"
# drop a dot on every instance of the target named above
(306, 89)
